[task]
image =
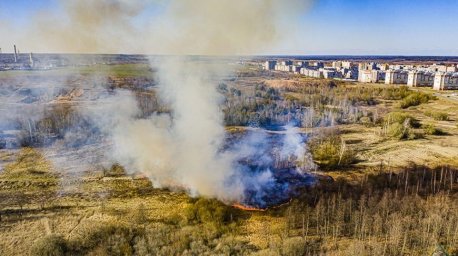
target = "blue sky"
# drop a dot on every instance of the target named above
(404, 27)
(384, 27)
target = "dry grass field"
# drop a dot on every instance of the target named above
(397, 194)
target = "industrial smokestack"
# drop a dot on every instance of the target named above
(15, 54)
(31, 60)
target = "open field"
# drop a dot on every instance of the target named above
(115, 70)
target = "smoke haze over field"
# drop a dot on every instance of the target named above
(183, 148)
(158, 27)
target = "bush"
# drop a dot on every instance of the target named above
(50, 245)
(395, 93)
(415, 99)
(366, 121)
(430, 129)
(331, 152)
(116, 170)
(399, 125)
(401, 118)
(294, 246)
(439, 116)
(397, 131)
(208, 211)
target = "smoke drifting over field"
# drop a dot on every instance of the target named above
(188, 144)
(184, 148)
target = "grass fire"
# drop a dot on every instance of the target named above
(195, 128)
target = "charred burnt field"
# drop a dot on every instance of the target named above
(285, 184)
(275, 171)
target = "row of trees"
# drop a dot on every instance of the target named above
(310, 104)
(411, 212)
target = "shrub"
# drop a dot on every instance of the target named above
(401, 118)
(208, 211)
(50, 245)
(400, 126)
(397, 130)
(439, 116)
(430, 129)
(395, 93)
(294, 246)
(415, 99)
(116, 170)
(331, 152)
(366, 121)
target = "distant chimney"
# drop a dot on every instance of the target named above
(15, 54)
(31, 60)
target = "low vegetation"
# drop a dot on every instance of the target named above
(29, 164)
(415, 99)
(431, 129)
(438, 116)
(401, 126)
(330, 151)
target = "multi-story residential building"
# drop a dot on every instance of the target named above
(312, 72)
(378, 75)
(286, 62)
(451, 69)
(440, 76)
(367, 66)
(438, 68)
(365, 76)
(420, 78)
(337, 64)
(329, 73)
(445, 81)
(270, 64)
(350, 74)
(395, 67)
(347, 64)
(302, 63)
(317, 64)
(296, 69)
(396, 76)
(371, 76)
(384, 66)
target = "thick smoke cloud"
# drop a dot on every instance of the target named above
(79, 26)
(174, 27)
(181, 149)
(226, 27)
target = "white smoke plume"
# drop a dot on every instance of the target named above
(182, 149)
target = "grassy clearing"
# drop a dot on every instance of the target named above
(116, 70)
(119, 70)
(30, 165)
